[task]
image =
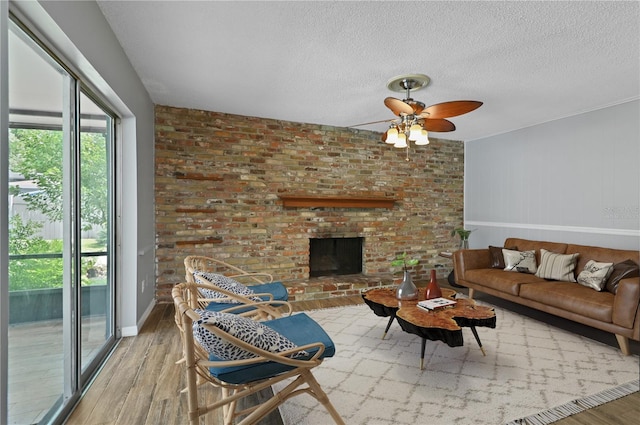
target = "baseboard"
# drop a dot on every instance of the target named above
(133, 330)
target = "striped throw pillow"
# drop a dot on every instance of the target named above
(557, 266)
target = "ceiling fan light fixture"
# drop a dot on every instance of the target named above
(415, 132)
(401, 142)
(392, 136)
(413, 118)
(423, 139)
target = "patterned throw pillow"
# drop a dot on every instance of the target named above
(557, 266)
(595, 274)
(225, 283)
(247, 330)
(519, 261)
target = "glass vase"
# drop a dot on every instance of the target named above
(464, 244)
(407, 290)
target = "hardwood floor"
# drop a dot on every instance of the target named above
(140, 383)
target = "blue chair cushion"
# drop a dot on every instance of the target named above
(299, 329)
(277, 289)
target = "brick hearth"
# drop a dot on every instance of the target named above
(340, 286)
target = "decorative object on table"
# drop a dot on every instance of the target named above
(407, 289)
(464, 237)
(433, 290)
(436, 303)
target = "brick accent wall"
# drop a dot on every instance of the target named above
(219, 177)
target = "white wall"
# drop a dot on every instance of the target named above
(573, 180)
(79, 34)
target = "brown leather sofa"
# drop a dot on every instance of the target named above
(618, 313)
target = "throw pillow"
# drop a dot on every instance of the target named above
(595, 274)
(557, 266)
(497, 259)
(245, 329)
(225, 283)
(519, 261)
(623, 270)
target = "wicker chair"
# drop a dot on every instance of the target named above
(262, 284)
(240, 378)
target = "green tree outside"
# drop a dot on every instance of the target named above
(37, 155)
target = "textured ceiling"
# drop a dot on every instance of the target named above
(329, 62)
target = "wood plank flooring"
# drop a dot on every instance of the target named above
(140, 383)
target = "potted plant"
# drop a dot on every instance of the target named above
(407, 290)
(402, 260)
(464, 236)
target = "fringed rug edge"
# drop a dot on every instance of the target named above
(579, 405)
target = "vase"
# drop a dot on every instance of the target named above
(407, 290)
(433, 290)
(464, 244)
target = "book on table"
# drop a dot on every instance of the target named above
(436, 303)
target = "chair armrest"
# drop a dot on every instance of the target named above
(255, 277)
(267, 307)
(267, 295)
(626, 302)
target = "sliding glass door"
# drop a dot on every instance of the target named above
(61, 280)
(96, 288)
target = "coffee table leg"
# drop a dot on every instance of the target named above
(393, 316)
(475, 333)
(424, 344)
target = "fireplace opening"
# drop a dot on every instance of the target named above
(335, 256)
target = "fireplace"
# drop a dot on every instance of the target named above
(335, 256)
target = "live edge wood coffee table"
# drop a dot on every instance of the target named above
(439, 325)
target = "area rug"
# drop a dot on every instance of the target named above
(530, 367)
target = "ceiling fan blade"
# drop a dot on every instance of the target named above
(450, 109)
(372, 122)
(438, 125)
(418, 107)
(397, 106)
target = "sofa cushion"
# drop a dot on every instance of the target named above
(595, 274)
(574, 298)
(557, 266)
(500, 280)
(519, 261)
(621, 271)
(497, 259)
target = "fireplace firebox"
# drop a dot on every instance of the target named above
(335, 256)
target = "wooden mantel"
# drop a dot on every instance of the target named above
(311, 201)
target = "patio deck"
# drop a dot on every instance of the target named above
(36, 365)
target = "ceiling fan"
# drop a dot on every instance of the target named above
(414, 119)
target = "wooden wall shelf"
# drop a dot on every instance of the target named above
(310, 201)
